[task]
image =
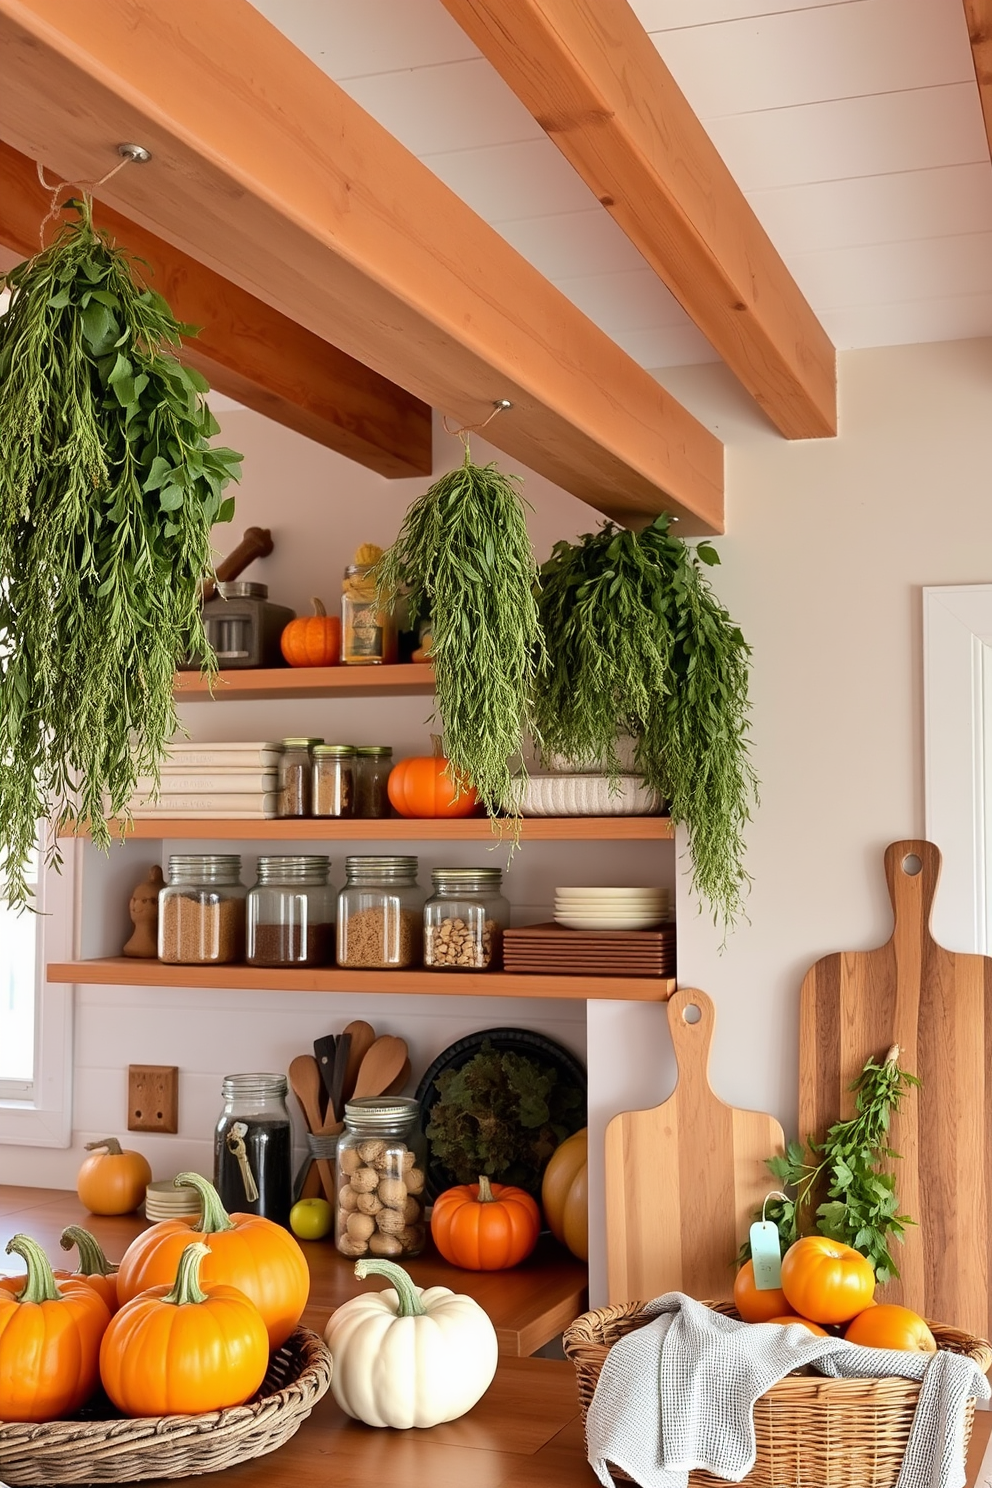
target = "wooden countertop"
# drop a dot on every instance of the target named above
(526, 1432)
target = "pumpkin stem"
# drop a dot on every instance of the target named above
(407, 1294)
(92, 1261)
(318, 608)
(214, 1217)
(114, 1148)
(186, 1288)
(485, 1194)
(40, 1285)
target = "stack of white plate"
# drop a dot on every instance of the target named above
(164, 1201)
(610, 908)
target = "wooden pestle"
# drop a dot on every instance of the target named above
(256, 543)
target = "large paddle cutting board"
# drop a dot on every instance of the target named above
(683, 1180)
(936, 1006)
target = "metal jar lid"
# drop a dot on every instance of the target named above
(374, 749)
(333, 751)
(301, 743)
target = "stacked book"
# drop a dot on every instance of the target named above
(227, 781)
(553, 950)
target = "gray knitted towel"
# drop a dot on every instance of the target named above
(679, 1394)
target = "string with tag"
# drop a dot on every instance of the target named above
(236, 1146)
(766, 1248)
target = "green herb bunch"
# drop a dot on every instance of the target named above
(108, 492)
(861, 1207)
(638, 644)
(502, 1114)
(464, 557)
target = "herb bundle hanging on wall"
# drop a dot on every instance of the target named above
(108, 492)
(464, 556)
(638, 644)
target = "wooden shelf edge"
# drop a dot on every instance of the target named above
(253, 684)
(120, 971)
(471, 829)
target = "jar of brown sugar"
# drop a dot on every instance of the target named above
(291, 912)
(380, 913)
(295, 777)
(333, 780)
(201, 912)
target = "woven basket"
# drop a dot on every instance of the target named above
(125, 1450)
(812, 1432)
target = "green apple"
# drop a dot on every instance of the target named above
(311, 1219)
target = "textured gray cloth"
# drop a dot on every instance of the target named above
(679, 1394)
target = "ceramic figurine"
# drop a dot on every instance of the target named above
(143, 909)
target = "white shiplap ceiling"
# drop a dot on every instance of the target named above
(853, 126)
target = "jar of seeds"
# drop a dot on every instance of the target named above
(381, 1177)
(295, 777)
(380, 913)
(333, 780)
(201, 911)
(464, 920)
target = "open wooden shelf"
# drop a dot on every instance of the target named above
(122, 971)
(466, 829)
(305, 682)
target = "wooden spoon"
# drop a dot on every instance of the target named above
(381, 1066)
(362, 1039)
(304, 1077)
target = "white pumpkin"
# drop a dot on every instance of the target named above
(408, 1356)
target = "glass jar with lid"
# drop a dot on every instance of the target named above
(373, 763)
(253, 1147)
(201, 911)
(333, 780)
(369, 635)
(381, 1178)
(295, 777)
(380, 913)
(291, 912)
(464, 920)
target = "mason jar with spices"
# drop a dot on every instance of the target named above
(295, 777)
(253, 1147)
(333, 780)
(381, 1179)
(369, 634)
(291, 912)
(201, 911)
(464, 920)
(373, 763)
(380, 913)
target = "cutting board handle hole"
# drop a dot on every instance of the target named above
(691, 1013)
(912, 865)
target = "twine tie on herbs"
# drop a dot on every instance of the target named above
(236, 1146)
(129, 155)
(500, 405)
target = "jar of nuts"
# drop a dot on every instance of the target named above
(381, 1177)
(464, 920)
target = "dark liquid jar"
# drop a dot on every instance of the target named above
(253, 1147)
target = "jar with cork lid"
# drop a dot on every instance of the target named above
(201, 917)
(381, 1179)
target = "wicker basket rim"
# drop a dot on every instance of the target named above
(127, 1432)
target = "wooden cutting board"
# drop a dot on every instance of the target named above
(683, 1180)
(935, 1005)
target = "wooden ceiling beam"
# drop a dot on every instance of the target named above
(266, 171)
(245, 348)
(978, 14)
(593, 79)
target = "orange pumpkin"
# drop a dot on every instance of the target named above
(184, 1349)
(892, 1327)
(485, 1226)
(753, 1305)
(422, 787)
(792, 1317)
(312, 640)
(93, 1268)
(112, 1181)
(565, 1193)
(825, 1280)
(49, 1340)
(246, 1251)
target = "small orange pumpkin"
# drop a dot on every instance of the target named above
(755, 1306)
(892, 1327)
(94, 1268)
(422, 787)
(312, 640)
(255, 1255)
(49, 1340)
(485, 1226)
(565, 1193)
(112, 1181)
(184, 1349)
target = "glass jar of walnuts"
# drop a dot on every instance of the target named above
(381, 1176)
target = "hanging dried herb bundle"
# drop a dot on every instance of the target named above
(108, 492)
(638, 644)
(464, 556)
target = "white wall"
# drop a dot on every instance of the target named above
(828, 546)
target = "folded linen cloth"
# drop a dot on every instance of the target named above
(679, 1394)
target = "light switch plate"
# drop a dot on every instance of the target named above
(153, 1097)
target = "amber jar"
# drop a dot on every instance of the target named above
(369, 635)
(381, 1179)
(373, 763)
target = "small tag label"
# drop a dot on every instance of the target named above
(766, 1253)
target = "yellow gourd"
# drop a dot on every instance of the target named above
(565, 1194)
